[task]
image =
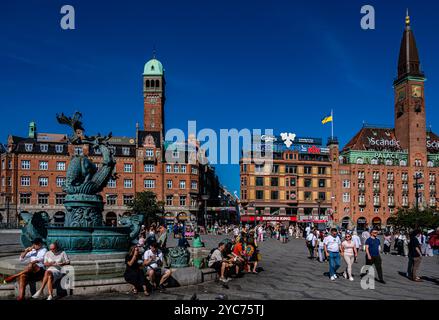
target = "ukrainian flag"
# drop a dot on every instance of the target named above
(327, 119)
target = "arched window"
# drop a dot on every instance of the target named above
(403, 163)
(360, 161)
(430, 164)
(147, 83)
(152, 83)
(374, 161)
(389, 162)
(157, 84)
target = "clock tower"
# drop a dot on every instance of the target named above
(410, 123)
(154, 97)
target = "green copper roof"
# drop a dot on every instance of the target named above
(153, 68)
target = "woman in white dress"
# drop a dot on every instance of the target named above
(54, 260)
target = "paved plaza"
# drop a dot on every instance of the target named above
(289, 274)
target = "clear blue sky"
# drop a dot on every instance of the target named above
(229, 64)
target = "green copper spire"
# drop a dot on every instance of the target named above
(153, 67)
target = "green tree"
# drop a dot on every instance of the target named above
(412, 218)
(146, 203)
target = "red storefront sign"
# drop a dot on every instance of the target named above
(268, 218)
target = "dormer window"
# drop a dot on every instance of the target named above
(59, 148)
(360, 161)
(29, 147)
(44, 147)
(126, 151)
(79, 151)
(374, 161)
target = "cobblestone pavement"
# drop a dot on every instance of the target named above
(288, 274)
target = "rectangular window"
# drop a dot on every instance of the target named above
(346, 197)
(308, 183)
(291, 169)
(43, 198)
(149, 184)
(59, 148)
(322, 196)
(111, 199)
(59, 199)
(44, 165)
(307, 170)
(259, 181)
(168, 168)
(61, 166)
(274, 182)
(182, 200)
(28, 147)
(125, 151)
(322, 170)
(149, 152)
(25, 198)
(169, 184)
(275, 168)
(182, 184)
(128, 167)
(128, 200)
(149, 168)
(183, 168)
(274, 195)
(176, 168)
(169, 200)
(43, 181)
(25, 164)
(322, 183)
(194, 185)
(194, 170)
(9, 182)
(79, 151)
(25, 181)
(259, 194)
(60, 182)
(346, 184)
(44, 147)
(293, 182)
(259, 168)
(111, 183)
(308, 195)
(128, 183)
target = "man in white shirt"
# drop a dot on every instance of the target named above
(34, 271)
(308, 230)
(153, 262)
(332, 246)
(356, 239)
(219, 263)
(311, 240)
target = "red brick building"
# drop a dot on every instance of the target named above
(33, 168)
(373, 175)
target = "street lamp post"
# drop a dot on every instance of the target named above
(205, 197)
(319, 203)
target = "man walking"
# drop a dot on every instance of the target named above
(332, 245)
(311, 240)
(373, 257)
(415, 256)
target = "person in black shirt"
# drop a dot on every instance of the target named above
(134, 272)
(415, 256)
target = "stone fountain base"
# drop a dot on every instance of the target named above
(96, 240)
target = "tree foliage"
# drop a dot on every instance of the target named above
(146, 203)
(412, 218)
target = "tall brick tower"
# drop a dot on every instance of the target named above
(410, 127)
(154, 97)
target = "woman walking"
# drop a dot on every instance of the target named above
(387, 242)
(349, 252)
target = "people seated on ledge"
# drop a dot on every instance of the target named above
(34, 270)
(196, 241)
(153, 262)
(221, 264)
(134, 274)
(54, 261)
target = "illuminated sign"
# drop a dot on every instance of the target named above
(432, 144)
(383, 142)
(386, 155)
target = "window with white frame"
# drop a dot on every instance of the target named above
(182, 184)
(60, 181)
(128, 200)
(79, 151)
(3, 182)
(9, 181)
(149, 152)
(169, 200)
(194, 185)
(183, 168)
(194, 170)
(25, 198)
(128, 183)
(168, 168)
(149, 168)
(25, 181)
(3, 164)
(149, 183)
(44, 165)
(128, 167)
(111, 183)
(44, 147)
(259, 168)
(376, 199)
(346, 197)
(28, 147)
(43, 181)
(182, 200)
(346, 184)
(176, 169)
(169, 184)
(25, 164)
(194, 202)
(126, 151)
(111, 199)
(61, 166)
(59, 148)
(43, 198)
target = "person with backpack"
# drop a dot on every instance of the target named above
(311, 241)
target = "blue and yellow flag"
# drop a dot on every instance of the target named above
(327, 119)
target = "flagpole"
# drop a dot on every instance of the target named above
(332, 125)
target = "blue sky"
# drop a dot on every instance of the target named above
(229, 64)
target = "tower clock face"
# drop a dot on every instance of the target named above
(416, 91)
